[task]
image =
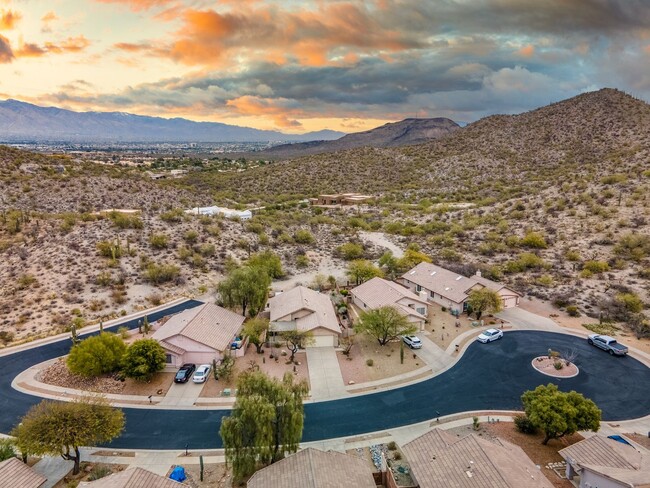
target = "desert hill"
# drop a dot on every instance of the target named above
(404, 132)
(27, 122)
(607, 127)
(554, 202)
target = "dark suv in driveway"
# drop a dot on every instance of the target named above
(185, 373)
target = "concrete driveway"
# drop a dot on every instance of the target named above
(182, 394)
(325, 378)
(432, 354)
(523, 319)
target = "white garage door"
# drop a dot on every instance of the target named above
(323, 341)
(509, 302)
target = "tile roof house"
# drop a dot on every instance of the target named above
(603, 462)
(438, 458)
(312, 468)
(450, 289)
(378, 292)
(133, 478)
(200, 334)
(16, 474)
(304, 309)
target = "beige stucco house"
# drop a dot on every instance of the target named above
(439, 459)
(450, 289)
(378, 292)
(599, 462)
(307, 310)
(200, 335)
(313, 468)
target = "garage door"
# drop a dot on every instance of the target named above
(323, 341)
(509, 302)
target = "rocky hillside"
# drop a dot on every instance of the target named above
(603, 131)
(402, 133)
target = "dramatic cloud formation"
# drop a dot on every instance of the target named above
(303, 65)
(8, 19)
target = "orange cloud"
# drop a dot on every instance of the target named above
(250, 105)
(49, 17)
(69, 45)
(9, 19)
(138, 5)
(527, 51)
(312, 37)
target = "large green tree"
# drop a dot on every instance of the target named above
(362, 270)
(266, 421)
(558, 413)
(484, 300)
(268, 260)
(256, 330)
(63, 427)
(97, 355)
(246, 288)
(384, 324)
(143, 358)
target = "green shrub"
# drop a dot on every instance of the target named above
(96, 355)
(634, 247)
(175, 215)
(558, 365)
(160, 273)
(302, 261)
(104, 278)
(524, 425)
(158, 241)
(613, 179)
(143, 358)
(108, 249)
(303, 236)
(350, 251)
(25, 281)
(369, 362)
(572, 255)
(7, 450)
(126, 221)
(533, 240)
(572, 310)
(596, 267)
(191, 236)
(98, 472)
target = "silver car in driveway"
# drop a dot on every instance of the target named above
(201, 373)
(490, 335)
(412, 341)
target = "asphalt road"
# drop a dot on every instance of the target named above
(488, 376)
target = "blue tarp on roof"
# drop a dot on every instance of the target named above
(619, 439)
(178, 474)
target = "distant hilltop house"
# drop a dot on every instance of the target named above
(340, 199)
(226, 212)
(200, 335)
(174, 173)
(378, 292)
(304, 309)
(604, 462)
(452, 290)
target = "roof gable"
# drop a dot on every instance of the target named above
(302, 298)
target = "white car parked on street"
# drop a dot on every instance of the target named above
(201, 373)
(490, 335)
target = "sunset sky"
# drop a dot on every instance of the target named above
(307, 65)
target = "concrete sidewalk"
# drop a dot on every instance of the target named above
(54, 468)
(325, 378)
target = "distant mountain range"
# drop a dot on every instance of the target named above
(20, 121)
(402, 133)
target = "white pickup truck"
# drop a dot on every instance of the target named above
(607, 343)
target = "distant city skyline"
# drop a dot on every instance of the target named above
(298, 66)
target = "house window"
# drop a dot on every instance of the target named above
(418, 288)
(433, 295)
(168, 358)
(421, 310)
